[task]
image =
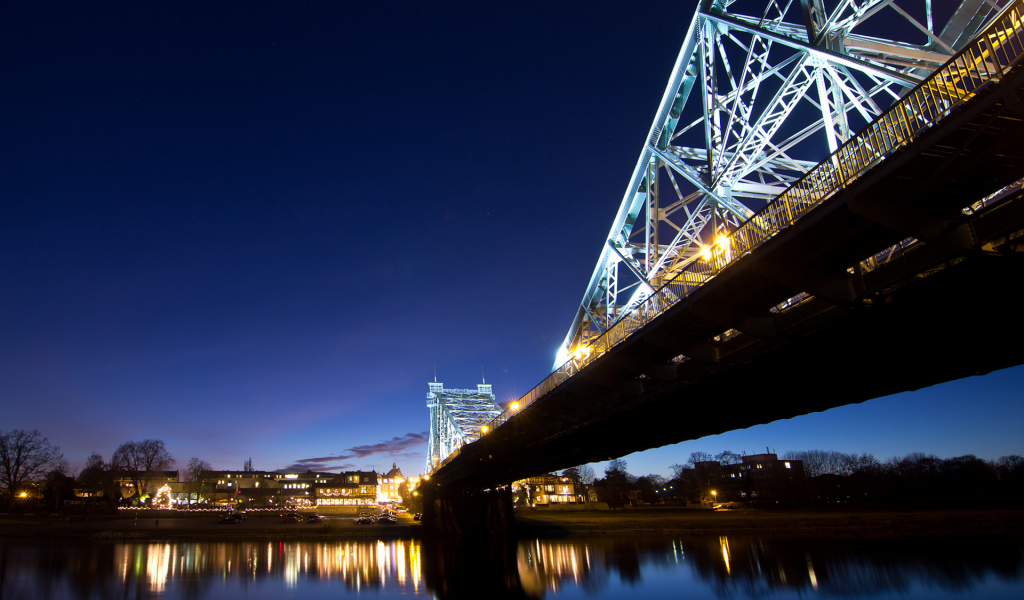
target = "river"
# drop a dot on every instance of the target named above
(691, 567)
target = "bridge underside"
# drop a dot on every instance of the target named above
(943, 309)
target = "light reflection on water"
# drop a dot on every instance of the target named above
(605, 567)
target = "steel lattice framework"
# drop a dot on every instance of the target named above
(760, 93)
(456, 417)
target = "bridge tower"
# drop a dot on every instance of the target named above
(456, 417)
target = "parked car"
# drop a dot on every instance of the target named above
(386, 519)
(417, 517)
(229, 521)
(314, 519)
(239, 516)
(364, 521)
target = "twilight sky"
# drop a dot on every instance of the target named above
(252, 229)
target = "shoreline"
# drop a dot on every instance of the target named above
(532, 524)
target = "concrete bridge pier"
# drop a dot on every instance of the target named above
(467, 511)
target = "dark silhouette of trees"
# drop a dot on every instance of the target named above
(919, 481)
(195, 474)
(830, 462)
(729, 458)
(614, 487)
(137, 461)
(650, 487)
(699, 475)
(60, 484)
(24, 456)
(96, 478)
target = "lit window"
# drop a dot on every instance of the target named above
(787, 466)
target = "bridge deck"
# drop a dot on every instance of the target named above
(943, 305)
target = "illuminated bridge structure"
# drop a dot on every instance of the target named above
(743, 282)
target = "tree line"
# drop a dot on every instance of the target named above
(829, 478)
(27, 458)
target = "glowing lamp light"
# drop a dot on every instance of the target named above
(514, 406)
(581, 352)
(721, 240)
(483, 429)
(706, 253)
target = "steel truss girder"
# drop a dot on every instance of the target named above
(776, 90)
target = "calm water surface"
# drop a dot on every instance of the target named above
(692, 567)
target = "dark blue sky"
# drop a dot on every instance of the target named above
(251, 229)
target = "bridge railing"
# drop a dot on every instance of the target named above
(985, 61)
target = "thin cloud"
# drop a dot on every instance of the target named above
(315, 467)
(396, 446)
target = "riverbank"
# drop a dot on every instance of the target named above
(650, 521)
(533, 523)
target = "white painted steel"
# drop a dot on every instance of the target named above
(761, 92)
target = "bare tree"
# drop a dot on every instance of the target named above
(586, 474)
(729, 458)
(580, 476)
(699, 457)
(24, 456)
(139, 460)
(195, 471)
(702, 467)
(831, 462)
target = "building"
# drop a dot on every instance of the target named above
(547, 489)
(390, 483)
(349, 492)
(262, 489)
(762, 478)
(151, 481)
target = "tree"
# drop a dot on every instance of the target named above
(651, 488)
(729, 458)
(96, 478)
(830, 462)
(247, 465)
(702, 471)
(616, 483)
(581, 477)
(195, 472)
(618, 465)
(24, 456)
(138, 461)
(60, 483)
(586, 474)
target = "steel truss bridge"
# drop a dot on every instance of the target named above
(827, 208)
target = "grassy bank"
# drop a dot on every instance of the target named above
(667, 520)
